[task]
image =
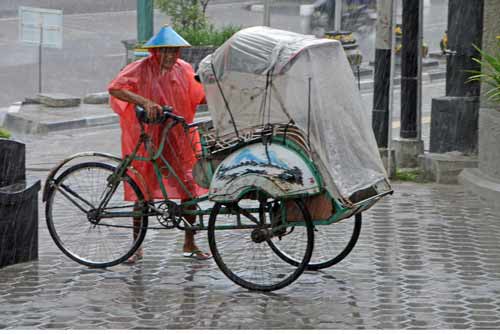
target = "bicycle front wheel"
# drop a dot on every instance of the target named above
(87, 237)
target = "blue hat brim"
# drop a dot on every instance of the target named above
(166, 38)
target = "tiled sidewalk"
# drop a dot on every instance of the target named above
(427, 257)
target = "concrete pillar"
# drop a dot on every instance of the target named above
(454, 118)
(465, 24)
(489, 43)
(485, 180)
(458, 133)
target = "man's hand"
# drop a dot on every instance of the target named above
(153, 110)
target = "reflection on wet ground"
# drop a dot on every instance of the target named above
(427, 258)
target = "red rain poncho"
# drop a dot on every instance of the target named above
(176, 88)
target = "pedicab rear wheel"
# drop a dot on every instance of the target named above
(244, 255)
(332, 244)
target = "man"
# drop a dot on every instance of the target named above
(161, 79)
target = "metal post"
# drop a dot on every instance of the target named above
(145, 14)
(409, 68)
(40, 56)
(267, 13)
(420, 53)
(338, 15)
(382, 73)
(394, 11)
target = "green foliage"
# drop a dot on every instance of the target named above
(209, 36)
(409, 175)
(490, 72)
(189, 21)
(4, 133)
(185, 14)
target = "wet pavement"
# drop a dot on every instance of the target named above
(427, 258)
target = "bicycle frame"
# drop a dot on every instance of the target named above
(154, 157)
(185, 208)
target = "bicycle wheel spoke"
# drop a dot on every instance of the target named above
(332, 244)
(105, 240)
(66, 192)
(247, 214)
(245, 256)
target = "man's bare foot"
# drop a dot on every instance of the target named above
(196, 253)
(138, 255)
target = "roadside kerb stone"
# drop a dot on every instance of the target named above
(444, 168)
(58, 100)
(39, 119)
(96, 98)
(15, 107)
(407, 151)
(101, 120)
(17, 124)
(32, 100)
(488, 188)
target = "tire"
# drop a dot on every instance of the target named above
(328, 249)
(93, 244)
(264, 271)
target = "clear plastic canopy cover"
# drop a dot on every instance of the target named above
(274, 76)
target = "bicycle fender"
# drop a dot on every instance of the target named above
(53, 172)
(275, 169)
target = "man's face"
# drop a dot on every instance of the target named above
(168, 57)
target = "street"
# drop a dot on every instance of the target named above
(92, 51)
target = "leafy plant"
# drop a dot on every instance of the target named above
(4, 133)
(489, 73)
(189, 20)
(208, 36)
(410, 175)
(185, 14)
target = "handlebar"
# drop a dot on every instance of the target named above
(167, 113)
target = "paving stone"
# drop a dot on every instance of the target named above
(96, 98)
(427, 258)
(58, 100)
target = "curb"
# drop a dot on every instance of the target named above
(477, 182)
(14, 122)
(79, 123)
(15, 107)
